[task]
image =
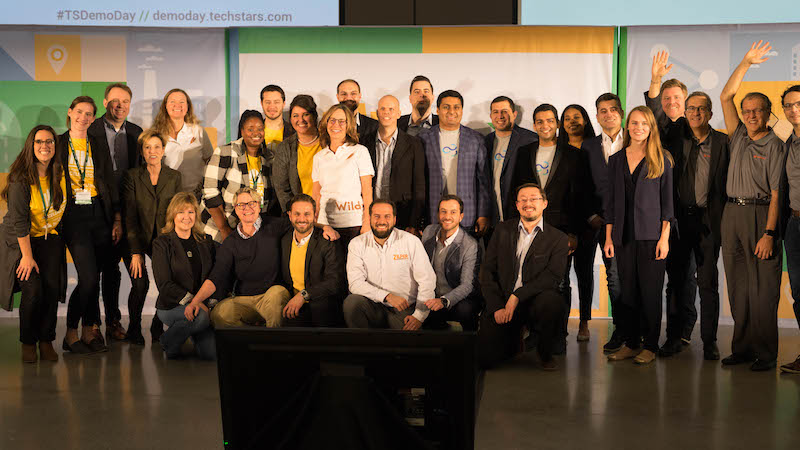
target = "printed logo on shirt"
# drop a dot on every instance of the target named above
(450, 150)
(759, 157)
(400, 257)
(349, 206)
(543, 168)
(499, 156)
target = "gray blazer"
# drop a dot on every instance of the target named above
(284, 171)
(461, 265)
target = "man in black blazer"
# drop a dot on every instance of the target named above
(399, 162)
(502, 145)
(563, 173)
(701, 157)
(122, 148)
(520, 281)
(421, 98)
(348, 92)
(312, 268)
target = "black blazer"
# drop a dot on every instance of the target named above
(597, 186)
(324, 270)
(653, 202)
(407, 180)
(402, 122)
(542, 269)
(173, 271)
(146, 207)
(519, 138)
(565, 188)
(367, 127)
(678, 139)
(132, 131)
(104, 183)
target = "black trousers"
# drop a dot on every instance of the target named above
(110, 285)
(88, 238)
(584, 269)
(322, 312)
(642, 279)
(464, 312)
(696, 252)
(542, 315)
(40, 292)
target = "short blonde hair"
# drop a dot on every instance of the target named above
(151, 133)
(178, 203)
(671, 83)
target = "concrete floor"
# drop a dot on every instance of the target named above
(132, 398)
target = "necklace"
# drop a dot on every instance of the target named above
(305, 144)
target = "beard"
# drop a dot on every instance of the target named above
(422, 106)
(382, 234)
(302, 227)
(351, 105)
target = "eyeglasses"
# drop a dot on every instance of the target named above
(44, 142)
(530, 200)
(341, 122)
(694, 109)
(750, 112)
(244, 205)
(791, 106)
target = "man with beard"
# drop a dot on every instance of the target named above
(520, 277)
(399, 166)
(421, 98)
(348, 92)
(121, 136)
(455, 256)
(276, 129)
(313, 269)
(502, 145)
(389, 275)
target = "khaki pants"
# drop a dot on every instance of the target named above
(252, 309)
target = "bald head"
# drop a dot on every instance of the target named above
(388, 112)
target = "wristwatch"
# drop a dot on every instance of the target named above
(305, 295)
(770, 233)
(445, 302)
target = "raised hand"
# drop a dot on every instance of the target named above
(757, 53)
(660, 67)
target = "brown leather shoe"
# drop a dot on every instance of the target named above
(47, 352)
(624, 353)
(645, 357)
(792, 367)
(29, 353)
(115, 332)
(583, 331)
(98, 334)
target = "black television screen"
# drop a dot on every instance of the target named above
(311, 388)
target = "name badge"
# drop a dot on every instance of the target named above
(83, 197)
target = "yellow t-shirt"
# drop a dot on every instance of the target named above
(255, 179)
(271, 135)
(305, 160)
(297, 265)
(37, 208)
(81, 148)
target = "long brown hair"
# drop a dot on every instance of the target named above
(23, 169)
(351, 136)
(180, 201)
(162, 124)
(653, 151)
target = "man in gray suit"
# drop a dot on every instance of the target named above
(455, 256)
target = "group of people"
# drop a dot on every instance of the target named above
(411, 221)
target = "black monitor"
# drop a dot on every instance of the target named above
(304, 388)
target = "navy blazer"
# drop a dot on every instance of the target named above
(519, 137)
(653, 202)
(472, 180)
(461, 265)
(598, 167)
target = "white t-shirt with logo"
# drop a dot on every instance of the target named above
(339, 175)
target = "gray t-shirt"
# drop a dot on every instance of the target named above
(793, 171)
(498, 159)
(448, 141)
(755, 167)
(544, 163)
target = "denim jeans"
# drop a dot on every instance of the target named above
(181, 329)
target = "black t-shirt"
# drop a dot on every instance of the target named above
(192, 252)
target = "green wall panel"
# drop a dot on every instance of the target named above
(330, 40)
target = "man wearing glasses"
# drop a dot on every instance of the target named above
(791, 108)
(751, 250)
(701, 163)
(247, 262)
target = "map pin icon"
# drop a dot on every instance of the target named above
(57, 55)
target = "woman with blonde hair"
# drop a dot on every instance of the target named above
(639, 212)
(188, 147)
(342, 175)
(182, 259)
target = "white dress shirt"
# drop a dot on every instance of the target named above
(611, 146)
(400, 267)
(523, 244)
